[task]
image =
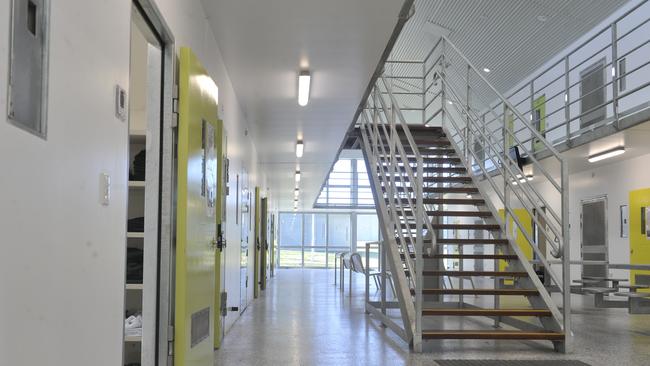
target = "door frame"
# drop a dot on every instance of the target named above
(593, 199)
(167, 227)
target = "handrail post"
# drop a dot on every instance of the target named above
(567, 98)
(566, 260)
(615, 75)
(419, 223)
(443, 95)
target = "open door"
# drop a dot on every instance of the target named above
(258, 245)
(196, 214)
(264, 240)
(220, 254)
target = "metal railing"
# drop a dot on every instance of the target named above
(464, 97)
(390, 159)
(618, 53)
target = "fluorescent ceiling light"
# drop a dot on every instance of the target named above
(304, 81)
(485, 69)
(606, 154)
(300, 148)
(297, 176)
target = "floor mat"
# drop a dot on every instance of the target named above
(510, 363)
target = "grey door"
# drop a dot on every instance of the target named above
(592, 94)
(594, 236)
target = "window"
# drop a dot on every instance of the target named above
(368, 231)
(592, 94)
(622, 70)
(347, 186)
(312, 240)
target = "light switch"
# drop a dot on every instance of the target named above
(105, 189)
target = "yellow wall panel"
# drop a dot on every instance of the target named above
(639, 243)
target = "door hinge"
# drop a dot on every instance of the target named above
(175, 106)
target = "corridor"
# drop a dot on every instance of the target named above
(303, 319)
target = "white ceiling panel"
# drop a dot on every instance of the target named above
(265, 44)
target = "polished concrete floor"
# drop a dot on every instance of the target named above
(302, 319)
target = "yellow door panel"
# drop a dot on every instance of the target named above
(220, 139)
(520, 238)
(639, 241)
(196, 215)
(258, 245)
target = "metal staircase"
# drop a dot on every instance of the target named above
(467, 224)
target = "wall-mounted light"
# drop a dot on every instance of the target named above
(297, 176)
(300, 148)
(606, 154)
(304, 82)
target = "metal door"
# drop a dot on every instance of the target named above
(196, 214)
(593, 227)
(220, 299)
(245, 232)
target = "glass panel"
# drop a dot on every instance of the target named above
(290, 257)
(315, 257)
(290, 229)
(331, 254)
(315, 230)
(339, 230)
(368, 230)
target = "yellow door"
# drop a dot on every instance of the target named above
(639, 237)
(258, 245)
(222, 181)
(196, 215)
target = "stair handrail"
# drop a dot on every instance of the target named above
(496, 150)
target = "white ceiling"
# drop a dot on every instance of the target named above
(506, 36)
(265, 44)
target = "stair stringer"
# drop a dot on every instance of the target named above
(406, 304)
(544, 299)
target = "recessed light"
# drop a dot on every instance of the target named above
(450, 102)
(606, 154)
(485, 69)
(300, 148)
(297, 176)
(304, 82)
(542, 18)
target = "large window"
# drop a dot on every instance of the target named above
(312, 239)
(347, 186)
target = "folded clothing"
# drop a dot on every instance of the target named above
(134, 265)
(135, 224)
(139, 166)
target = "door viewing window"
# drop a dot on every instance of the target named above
(592, 94)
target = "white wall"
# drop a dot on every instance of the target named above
(63, 253)
(615, 181)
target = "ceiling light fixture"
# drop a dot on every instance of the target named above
(606, 154)
(297, 176)
(485, 69)
(542, 18)
(300, 148)
(296, 192)
(304, 82)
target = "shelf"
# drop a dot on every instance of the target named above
(133, 339)
(136, 184)
(138, 136)
(135, 235)
(134, 286)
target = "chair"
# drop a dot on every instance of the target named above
(357, 266)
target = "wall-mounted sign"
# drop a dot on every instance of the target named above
(625, 221)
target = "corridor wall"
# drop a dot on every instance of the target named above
(63, 260)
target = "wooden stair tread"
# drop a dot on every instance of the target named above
(467, 256)
(457, 213)
(471, 241)
(492, 227)
(492, 334)
(475, 273)
(432, 169)
(487, 312)
(445, 201)
(480, 291)
(454, 179)
(437, 189)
